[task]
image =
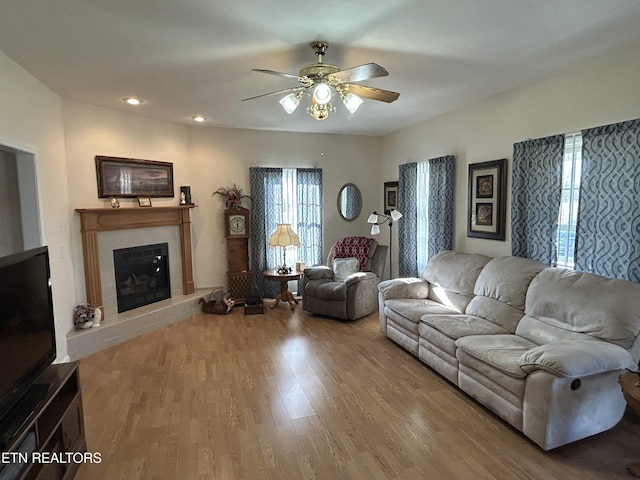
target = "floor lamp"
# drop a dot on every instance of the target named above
(378, 219)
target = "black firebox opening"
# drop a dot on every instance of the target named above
(142, 275)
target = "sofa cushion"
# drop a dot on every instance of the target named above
(326, 290)
(604, 308)
(501, 352)
(453, 327)
(501, 290)
(318, 273)
(540, 332)
(452, 276)
(343, 267)
(576, 358)
(404, 288)
(507, 279)
(415, 308)
(402, 323)
(495, 311)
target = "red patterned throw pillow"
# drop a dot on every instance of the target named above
(353, 247)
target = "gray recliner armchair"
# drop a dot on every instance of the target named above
(347, 287)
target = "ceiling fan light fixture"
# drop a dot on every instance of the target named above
(321, 81)
(290, 102)
(322, 93)
(352, 102)
(320, 111)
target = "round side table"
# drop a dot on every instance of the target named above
(284, 278)
(631, 391)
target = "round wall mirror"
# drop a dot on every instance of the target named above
(349, 202)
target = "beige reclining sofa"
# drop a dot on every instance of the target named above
(541, 347)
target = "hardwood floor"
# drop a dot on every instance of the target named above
(287, 395)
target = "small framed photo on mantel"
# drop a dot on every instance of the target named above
(144, 201)
(487, 200)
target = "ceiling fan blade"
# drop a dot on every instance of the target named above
(360, 73)
(286, 90)
(280, 74)
(373, 93)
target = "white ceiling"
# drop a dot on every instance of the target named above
(187, 57)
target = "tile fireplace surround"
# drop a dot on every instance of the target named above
(99, 228)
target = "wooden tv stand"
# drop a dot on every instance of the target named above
(50, 443)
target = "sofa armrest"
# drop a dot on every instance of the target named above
(318, 273)
(360, 277)
(576, 358)
(404, 288)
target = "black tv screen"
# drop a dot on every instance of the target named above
(27, 334)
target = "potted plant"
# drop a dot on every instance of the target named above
(233, 195)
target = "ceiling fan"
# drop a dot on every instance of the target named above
(320, 81)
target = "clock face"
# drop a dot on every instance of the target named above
(237, 225)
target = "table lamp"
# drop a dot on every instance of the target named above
(284, 236)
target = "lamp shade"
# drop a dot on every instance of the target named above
(373, 218)
(290, 102)
(352, 102)
(284, 236)
(395, 215)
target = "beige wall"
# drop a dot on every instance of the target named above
(597, 92)
(31, 121)
(207, 158)
(91, 131)
(221, 157)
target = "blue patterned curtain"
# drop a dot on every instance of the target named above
(608, 229)
(407, 226)
(442, 176)
(536, 193)
(309, 209)
(266, 213)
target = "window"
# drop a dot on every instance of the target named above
(284, 196)
(568, 214)
(422, 224)
(289, 212)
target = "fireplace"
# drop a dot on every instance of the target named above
(142, 275)
(122, 227)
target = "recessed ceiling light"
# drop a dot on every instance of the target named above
(133, 100)
(199, 118)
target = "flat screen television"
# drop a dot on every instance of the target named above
(27, 332)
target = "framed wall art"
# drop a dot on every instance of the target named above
(390, 197)
(487, 200)
(129, 177)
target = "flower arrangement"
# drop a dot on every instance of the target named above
(233, 195)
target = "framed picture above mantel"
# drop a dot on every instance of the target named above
(132, 178)
(487, 200)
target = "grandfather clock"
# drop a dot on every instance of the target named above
(237, 231)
